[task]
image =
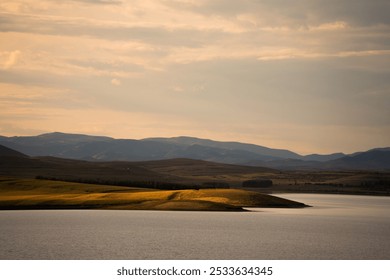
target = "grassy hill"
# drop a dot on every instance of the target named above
(46, 194)
(187, 172)
(193, 174)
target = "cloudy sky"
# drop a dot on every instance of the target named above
(312, 76)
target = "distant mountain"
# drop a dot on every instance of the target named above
(266, 153)
(377, 159)
(76, 146)
(98, 148)
(52, 144)
(387, 149)
(371, 160)
(7, 152)
(322, 158)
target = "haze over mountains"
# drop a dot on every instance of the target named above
(99, 148)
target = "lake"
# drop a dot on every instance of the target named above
(336, 227)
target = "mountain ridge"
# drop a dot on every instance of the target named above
(102, 148)
(229, 145)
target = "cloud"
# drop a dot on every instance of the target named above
(178, 89)
(158, 33)
(299, 54)
(116, 82)
(300, 13)
(243, 64)
(356, 12)
(18, 96)
(10, 58)
(329, 26)
(99, 2)
(235, 32)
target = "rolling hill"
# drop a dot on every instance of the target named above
(176, 174)
(100, 148)
(173, 173)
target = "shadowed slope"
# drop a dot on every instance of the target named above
(7, 152)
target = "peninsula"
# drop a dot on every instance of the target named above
(17, 194)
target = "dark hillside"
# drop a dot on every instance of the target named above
(7, 152)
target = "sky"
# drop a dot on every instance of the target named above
(311, 76)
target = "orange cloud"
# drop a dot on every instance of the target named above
(10, 59)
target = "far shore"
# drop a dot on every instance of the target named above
(323, 189)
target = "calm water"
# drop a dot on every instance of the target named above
(337, 227)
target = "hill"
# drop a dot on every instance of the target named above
(378, 159)
(99, 148)
(46, 194)
(263, 152)
(7, 152)
(178, 174)
(84, 147)
(174, 173)
(190, 167)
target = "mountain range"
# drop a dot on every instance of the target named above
(100, 148)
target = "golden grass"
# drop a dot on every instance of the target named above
(45, 194)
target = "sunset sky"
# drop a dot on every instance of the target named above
(311, 76)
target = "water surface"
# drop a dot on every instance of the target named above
(337, 227)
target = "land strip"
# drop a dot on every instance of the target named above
(46, 194)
